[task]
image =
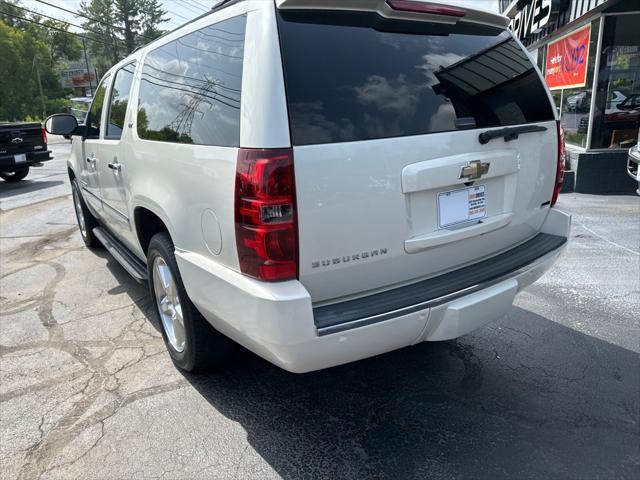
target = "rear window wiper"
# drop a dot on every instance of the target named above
(509, 133)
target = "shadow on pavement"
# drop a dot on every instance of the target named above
(138, 292)
(522, 398)
(542, 401)
(25, 186)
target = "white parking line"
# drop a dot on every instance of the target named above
(608, 241)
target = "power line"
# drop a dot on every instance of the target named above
(177, 14)
(181, 42)
(69, 23)
(53, 28)
(190, 8)
(197, 5)
(188, 86)
(231, 91)
(191, 92)
(89, 18)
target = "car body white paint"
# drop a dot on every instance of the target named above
(633, 162)
(182, 184)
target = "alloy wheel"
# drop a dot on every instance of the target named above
(168, 304)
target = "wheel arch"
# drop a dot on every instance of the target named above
(147, 223)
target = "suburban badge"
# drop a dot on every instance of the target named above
(354, 257)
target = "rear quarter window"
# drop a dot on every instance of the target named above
(357, 76)
(190, 87)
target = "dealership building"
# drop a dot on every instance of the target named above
(589, 53)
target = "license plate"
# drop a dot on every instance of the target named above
(459, 206)
(20, 159)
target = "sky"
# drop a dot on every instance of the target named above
(492, 5)
(180, 11)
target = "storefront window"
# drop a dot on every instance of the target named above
(576, 102)
(617, 109)
(541, 57)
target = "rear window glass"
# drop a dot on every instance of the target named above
(190, 88)
(357, 77)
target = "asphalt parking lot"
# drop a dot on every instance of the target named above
(87, 390)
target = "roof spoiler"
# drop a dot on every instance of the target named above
(416, 10)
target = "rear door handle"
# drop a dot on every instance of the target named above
(117, 166)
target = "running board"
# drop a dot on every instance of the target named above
(132, 264)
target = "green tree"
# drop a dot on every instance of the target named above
(117, 27)
(9, 13)
(105, 42)
(62, 46)
(19, 57)
(32, 50)
(127, 14)
(152, 16)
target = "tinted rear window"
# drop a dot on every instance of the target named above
(357, 77)
(190, 88)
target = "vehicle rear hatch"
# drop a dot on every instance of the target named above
(21, 138)
(395, 181)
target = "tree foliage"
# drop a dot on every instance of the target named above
(123, 26)
(31, 45)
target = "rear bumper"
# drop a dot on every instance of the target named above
(8, 162)
(276, 321)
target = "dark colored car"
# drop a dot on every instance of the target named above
(22, 145)
(579, 102)
(626, 111)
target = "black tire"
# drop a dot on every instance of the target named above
(204, 347)
(15, 176)
(90, 222)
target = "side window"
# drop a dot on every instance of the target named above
(119, 101)
(95, 112)
(190, 88)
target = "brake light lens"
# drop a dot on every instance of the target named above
(421, 7)
(560, 166)
(265, 214)
(44, 136)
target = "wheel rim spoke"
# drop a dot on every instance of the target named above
(178, 328)
(165, 277)
(79, 214)
(168, 304)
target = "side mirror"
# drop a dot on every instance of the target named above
(61, 124)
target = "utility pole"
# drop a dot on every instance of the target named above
(44, 106)
(86, 61)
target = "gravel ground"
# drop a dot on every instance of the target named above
(87, 391)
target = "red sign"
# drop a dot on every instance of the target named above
(567, 60)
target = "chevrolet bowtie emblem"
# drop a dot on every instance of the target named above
(16, 140)
(474, 170)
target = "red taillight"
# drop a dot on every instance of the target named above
(44, 136)
(265, 210)
(420, 7)
(560, 166)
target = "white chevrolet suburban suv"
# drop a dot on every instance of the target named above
(323, 181)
